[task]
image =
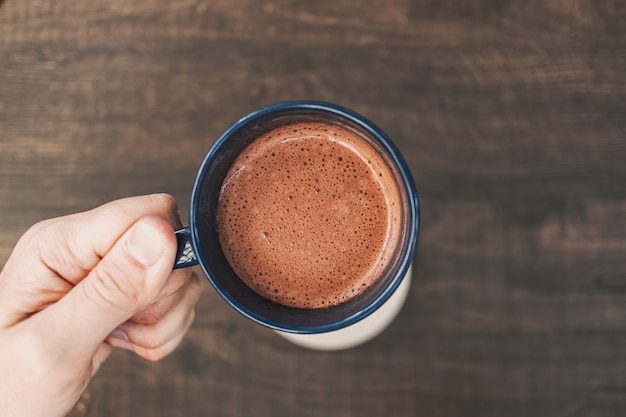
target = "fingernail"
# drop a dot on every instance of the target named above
(145, 243)
(119, 334)
(119, 339)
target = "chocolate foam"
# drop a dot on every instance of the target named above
(309, 215)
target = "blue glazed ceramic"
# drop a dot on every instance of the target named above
(199, 244)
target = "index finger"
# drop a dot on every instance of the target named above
(71, 246)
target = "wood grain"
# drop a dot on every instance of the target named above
(510, 115)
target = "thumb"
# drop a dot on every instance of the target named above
(124, 282)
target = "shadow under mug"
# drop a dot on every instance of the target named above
(199, 243)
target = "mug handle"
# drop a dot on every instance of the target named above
(185, 256)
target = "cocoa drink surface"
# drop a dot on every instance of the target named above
(309, 215)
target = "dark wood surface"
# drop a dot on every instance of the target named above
(511, 115)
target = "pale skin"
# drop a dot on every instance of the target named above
(77, 286)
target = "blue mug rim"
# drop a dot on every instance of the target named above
(405, 175)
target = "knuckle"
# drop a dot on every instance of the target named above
(38, 227)
(165, 201)
(35, 232)
(112, 285)
(52, 243)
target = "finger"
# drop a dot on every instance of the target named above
(169, 296)
(71, 246)
(157, 310)
(159, 353)
(175, 282)
(54, 255)
(107, 223)
(154, 337)
(126, 281)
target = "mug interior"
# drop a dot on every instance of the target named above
(206, 244)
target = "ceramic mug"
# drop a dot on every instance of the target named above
(338, 327)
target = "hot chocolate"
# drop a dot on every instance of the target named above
(309, 215)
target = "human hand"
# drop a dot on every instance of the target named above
(77, 285)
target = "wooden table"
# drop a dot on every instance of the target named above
(511, 115)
